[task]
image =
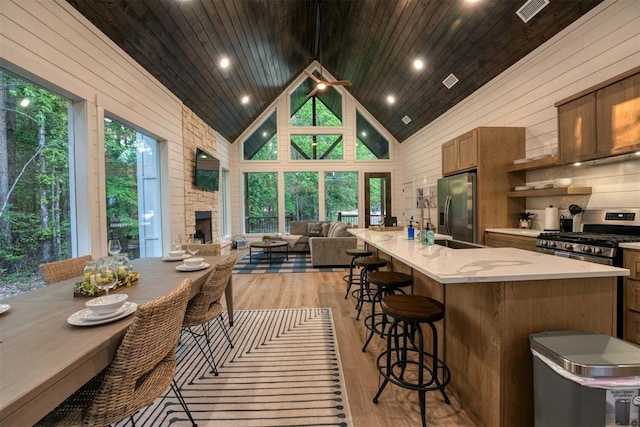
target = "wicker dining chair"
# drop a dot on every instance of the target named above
(142, 369)
(57, 271)
(206, 306)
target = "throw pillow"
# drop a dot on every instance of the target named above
(341, 231)
(314, 229)
(332, 229)
(325, 229)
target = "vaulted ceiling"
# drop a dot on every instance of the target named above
(372, 43)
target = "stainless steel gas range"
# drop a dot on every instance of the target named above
(599, 241)
(602, 232)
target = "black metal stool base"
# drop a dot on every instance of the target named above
(405, 362)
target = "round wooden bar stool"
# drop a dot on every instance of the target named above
(349, 278)
(367, 265)
(387, 283)
(403, 362)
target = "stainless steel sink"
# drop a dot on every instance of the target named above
(457, 244)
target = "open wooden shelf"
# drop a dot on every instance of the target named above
(551, 192)
(535, 164)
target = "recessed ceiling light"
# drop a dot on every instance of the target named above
(363, 133)
(245, 99)
(391, 99)
(418, 64)
(264, 134)
(224, 62)
(25, 102)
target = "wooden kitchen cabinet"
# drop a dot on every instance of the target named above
(461, 154)
(618, 117)
(489, 151)
(501, 240)
(631, 331)
(602, 121)
(577, 129)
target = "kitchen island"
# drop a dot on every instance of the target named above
(494, 298)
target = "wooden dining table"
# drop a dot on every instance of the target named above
(44, 359)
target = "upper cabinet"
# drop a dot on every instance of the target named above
(461, 154)
(489, 151)
(602, 121)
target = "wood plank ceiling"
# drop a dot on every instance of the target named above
(372, 43)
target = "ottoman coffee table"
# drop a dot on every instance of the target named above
(267, 253)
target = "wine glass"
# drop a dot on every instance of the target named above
(193, 246)
(107, 276)
(114, 247)
(176, 242)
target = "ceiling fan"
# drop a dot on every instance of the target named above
(321, 84)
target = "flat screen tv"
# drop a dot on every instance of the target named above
(207, 171)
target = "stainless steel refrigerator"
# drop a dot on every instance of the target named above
(457, 206)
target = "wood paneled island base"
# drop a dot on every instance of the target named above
(487, 327)
(494, 299)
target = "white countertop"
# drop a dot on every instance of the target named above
(480, 265)
(516, 231)
(635, 246)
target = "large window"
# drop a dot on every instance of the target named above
(225, 204)
(263, 143)
(300, 196)
(133, 190)
(323, 108)
(36, 208)
(341, 196)
(370, 144)
(261, 202)
(316, 147)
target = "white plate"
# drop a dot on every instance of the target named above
(543, 185)
(523, 187)
(4, 307)
(185, 267)
(78, 319)
(517, 162)
(170, 258)
(89, 315)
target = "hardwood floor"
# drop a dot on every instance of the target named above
(396, 407)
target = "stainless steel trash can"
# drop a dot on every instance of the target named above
(585, 379)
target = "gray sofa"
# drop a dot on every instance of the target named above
(326, 240)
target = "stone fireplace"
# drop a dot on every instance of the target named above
(203, 226)
(200, 207)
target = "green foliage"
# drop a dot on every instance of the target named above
(301, 195)
(38, 151)
(121, 179)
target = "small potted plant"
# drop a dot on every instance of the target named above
(526, 220)
(266, 238)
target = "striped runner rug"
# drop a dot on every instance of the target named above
(284, 370)
(298, 263)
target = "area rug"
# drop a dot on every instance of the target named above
(284, 370)
(297, 263)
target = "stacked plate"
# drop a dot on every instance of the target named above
(87, 317)
(193, 264)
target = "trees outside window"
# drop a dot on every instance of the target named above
(263, 143)
(35, 192)
(133, 190)
(341, 196)
(261, 202)
(316, 147)
(300, 196)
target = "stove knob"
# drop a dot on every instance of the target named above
(542, 242)
(551, 244)
(597, 250)
(586, 249)
(568, 246)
